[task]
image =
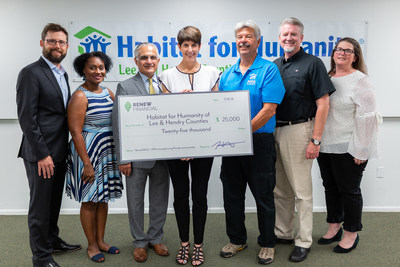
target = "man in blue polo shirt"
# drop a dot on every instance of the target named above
(262, 79)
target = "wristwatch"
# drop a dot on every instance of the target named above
(315, 141)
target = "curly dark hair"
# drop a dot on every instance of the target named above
(80, 61)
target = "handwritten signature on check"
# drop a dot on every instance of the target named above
(225, 143)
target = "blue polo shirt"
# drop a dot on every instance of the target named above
(264, 83)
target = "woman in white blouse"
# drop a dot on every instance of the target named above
(349, 140)
(190, 76)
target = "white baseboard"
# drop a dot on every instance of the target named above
(210, 210)
(14, 212)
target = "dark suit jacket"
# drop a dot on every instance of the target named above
(41, 113)
(131, 86)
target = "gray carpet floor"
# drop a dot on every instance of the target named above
(379, 243)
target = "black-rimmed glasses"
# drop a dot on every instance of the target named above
(53, 42)
(339, 50)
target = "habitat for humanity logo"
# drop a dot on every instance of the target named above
(252, 79)
(92, 40)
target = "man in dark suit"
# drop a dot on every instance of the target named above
(144, 83)
(42, 97)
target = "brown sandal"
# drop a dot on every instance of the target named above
(183, 254)
(198, 255)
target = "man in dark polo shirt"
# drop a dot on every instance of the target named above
(300, 122)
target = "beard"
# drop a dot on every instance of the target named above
(288, 49)
(54, 59)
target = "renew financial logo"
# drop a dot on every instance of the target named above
(128, 106)
(92, 40)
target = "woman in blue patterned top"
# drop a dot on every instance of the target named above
(92, 176)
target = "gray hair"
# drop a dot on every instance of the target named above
(248, 24)
(136, 52)
(293, 21)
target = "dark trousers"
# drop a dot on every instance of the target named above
(342, 178)
(258, 171)
(200, 172)
(44, 209)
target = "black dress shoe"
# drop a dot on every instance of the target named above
(284, 241)
(50, 263)
(339, 249)
(63, 246)
(327, 241)
(299, 254)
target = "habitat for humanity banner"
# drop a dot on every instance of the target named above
(218, 46)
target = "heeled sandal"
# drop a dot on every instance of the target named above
(183, 254)
(198, 255)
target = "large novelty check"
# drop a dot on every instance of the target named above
(186, 125)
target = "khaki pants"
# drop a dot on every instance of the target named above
(293, 183)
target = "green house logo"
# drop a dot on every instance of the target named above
(92, 40)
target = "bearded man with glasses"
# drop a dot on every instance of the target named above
(42, 97)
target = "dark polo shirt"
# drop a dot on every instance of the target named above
(305, 79)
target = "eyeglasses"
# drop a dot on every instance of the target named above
(53, 42)
(339, 50)
(147, 57)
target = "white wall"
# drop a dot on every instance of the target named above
(22, 21)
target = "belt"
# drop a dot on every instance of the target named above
(285, 123)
